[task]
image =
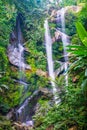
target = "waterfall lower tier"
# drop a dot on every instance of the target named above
(48, 43)
(30, 106)
(25, 112)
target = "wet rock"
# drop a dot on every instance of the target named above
(16, 47)
(30, 123)
(14, 57)
(27, 109)
(58, 36)
(10, 115)
(56, 14)
(22, 126)
(61, 69)
(42, 73)
(13, 38)
(46, 92)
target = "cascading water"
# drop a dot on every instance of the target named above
(21, 50)
(22, 113)
(65, 42)
(48, 42)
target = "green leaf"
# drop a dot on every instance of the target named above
(78, 50)
(82, 33)
(84, 84)
(86, 72)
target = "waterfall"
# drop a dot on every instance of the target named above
(20, 49)
(65, 40)
(48, 42)
(22, 113)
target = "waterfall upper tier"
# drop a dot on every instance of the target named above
(16, 48)
(48, 43)
(54, 15)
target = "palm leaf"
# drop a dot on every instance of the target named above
(82, 33)
(78, 50)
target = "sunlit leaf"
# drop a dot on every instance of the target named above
(82, 33)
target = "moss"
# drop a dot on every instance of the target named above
(5, 124)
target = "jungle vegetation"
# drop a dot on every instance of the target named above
(72, 111)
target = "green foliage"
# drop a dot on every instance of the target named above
(66, 114)
(70, 18)
(82, 33)
(82, 15)
(43, 109)
(72, 110)
(6, 15)
(81, 53)
(57, 50)
(5, 124)
(32, 27)
(7, 19)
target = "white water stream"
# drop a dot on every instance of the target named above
(48, 43)
(21, 51)
(22, 113)
(65, 42)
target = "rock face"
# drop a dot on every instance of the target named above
(16, 47)
(11, 115)
(58, 36)
(56, 18)
(56, 15)
(14, 57)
